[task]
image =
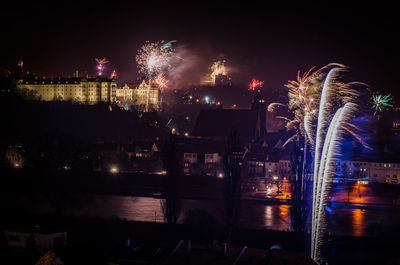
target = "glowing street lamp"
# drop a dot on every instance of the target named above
(114, 169)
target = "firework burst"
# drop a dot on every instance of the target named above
(381, 102)
(113, 74)
(304, 97)
(101, 65)
(255, 84)
(155, 59)
(218, 68)
(161, 82)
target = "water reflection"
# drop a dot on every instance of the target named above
(358, 221)
(342, 219)
(268, 216)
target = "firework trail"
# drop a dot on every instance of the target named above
(255, 84)
(381, 102)
(113, 74)
(304, 97)
(331, 126)
(101, 65)
(333, 137)
(322, 110)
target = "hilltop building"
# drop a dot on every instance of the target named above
(136, 95)
(78, 89)
(85, 90)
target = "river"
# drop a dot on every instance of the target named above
(342, 219)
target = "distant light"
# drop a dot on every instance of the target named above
(275, 177)
(186, 134)
(220, 175)
(207, 99)
(173, 130)
(269, 190)
(114, 169)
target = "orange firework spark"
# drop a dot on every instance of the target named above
(255, 84)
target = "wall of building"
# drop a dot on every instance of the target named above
(369, 171)
(83, 90)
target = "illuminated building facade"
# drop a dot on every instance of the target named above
(125, 93)
(366, 172)
(136, 95)
(77, 89)
(140, 97)
(91, 91)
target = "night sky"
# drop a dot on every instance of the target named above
(266, 42)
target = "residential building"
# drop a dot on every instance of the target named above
(38, 238)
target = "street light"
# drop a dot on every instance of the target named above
(114, 169)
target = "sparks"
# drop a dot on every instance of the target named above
(113, 74)
(218, 68)
(304, 97)
(161, 82)
(381, 102)
(101, 65)
(255, 84)
(154, 59)
(322, 108)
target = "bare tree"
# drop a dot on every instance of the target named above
(170, 204)
(232, 182)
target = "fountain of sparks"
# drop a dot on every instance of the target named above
(321, 103)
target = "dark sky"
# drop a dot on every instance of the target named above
(266, 42)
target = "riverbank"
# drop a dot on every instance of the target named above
(90, 239)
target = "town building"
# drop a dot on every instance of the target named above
(263, 157)
(77, 89)
(136, 96)
(368, 172)
(37, 238)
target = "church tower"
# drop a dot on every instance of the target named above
(260, 106)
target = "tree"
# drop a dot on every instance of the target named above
(232, 182)
(170, 205)
(299, 184)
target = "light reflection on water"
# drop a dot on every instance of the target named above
(357, 221)
(343, 220)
